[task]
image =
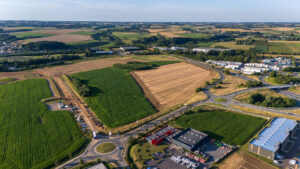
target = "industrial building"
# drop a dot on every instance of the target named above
(189, 139)
(274, 138)
(163, 134)
(205, 50)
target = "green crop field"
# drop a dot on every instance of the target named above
(229, 127)
(87, 33)
(194, 35)
(32, 35)
(232, 45)
(284, 48)
(129, 36)
(117, 99)
(32, 136)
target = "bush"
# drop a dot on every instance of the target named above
(227, 72)
(251, 84)
(199, 89)
(269, 101)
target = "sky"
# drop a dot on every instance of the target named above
(152, 10)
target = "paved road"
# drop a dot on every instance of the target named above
(120, 141)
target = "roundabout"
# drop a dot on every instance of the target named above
(106, 147)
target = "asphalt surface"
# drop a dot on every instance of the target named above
(117, 155)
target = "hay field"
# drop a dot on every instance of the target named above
(230, 85)
(172, 84)
(286, 48)
(61, 35)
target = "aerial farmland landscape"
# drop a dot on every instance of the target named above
(149, 84)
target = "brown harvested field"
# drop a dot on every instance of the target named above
(82, 66)
(172, 84)
(230, 85)
(66, 38)
(61, 35)
(234, 30)
(244, 161)
(283, 41)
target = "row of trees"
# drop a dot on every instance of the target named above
(134, 66)
(82, 88)
(233, 55)
(251, 84)
(36, 63)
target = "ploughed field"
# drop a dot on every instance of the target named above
(32, 136)
(229, 127)
(172, 84)
(116, 98)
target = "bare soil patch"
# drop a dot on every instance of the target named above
(172, 84)
(244, 161)
(66, 38)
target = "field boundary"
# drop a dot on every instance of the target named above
(146, 91)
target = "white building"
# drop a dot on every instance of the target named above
(250, 70)
(233, 65)
(205, 50)
(162, 48)
(178, 48)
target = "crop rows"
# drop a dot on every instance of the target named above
(31, 135)
(116, 98)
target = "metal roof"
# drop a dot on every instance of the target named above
(277, 133)
(190, 137)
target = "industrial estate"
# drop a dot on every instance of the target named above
(149, 95)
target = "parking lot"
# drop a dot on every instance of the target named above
(291, 152)
(213, 150)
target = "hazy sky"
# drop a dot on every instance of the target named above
(152, 10)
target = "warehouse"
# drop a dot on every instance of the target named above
(272, 139)
(189, 139)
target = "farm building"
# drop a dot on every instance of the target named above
(164, 134)
(189, 139)
(130, 48)
(178, 48)
(274, 138)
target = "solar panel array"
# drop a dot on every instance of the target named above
(272, 136)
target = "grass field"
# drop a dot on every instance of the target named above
(117, 99)
(229, 127)
(129, 36)
(286, 48)
(193, 35)
(7, 80)
(233, 45)
(32, 35)
(32, 136)
(106, 147)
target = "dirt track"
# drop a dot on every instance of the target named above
(172, 84)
